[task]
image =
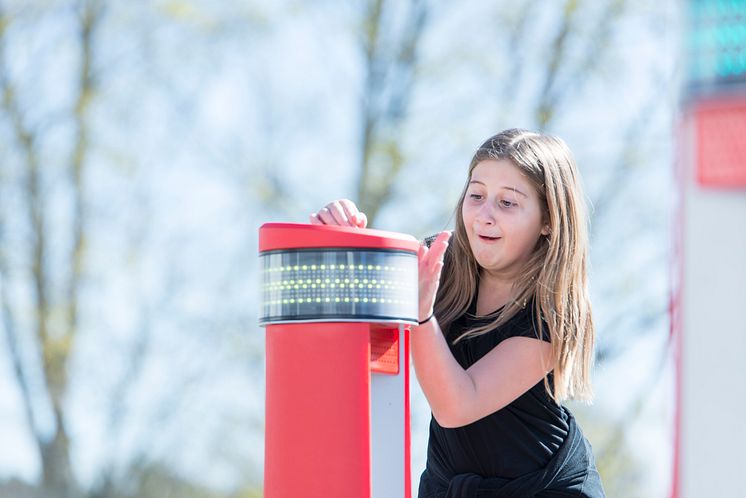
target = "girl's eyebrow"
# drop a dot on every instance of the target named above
(505, 187)
(515, 190)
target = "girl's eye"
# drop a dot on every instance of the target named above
(507, 203)
(475, 196)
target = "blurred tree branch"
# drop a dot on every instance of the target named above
(25, 138)
(547, 101)
(55, 342)
(552, 93)
(627, 159)
(390, 62)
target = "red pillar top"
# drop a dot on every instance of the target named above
(279, 236)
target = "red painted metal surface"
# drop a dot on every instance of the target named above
(317, 411)
(407, 418)
(274, 236)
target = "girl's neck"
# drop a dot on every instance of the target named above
(493, 293)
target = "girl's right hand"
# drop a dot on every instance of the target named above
(342, 212)
(430, 266)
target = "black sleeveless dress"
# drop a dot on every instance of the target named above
(531, 447)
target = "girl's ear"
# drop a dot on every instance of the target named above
(546, 230)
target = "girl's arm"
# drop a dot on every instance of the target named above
(459, 397)
(456, 396)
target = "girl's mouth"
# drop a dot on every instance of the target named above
(488, 239)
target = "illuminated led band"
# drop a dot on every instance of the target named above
(308, 285)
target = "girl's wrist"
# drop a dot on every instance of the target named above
(425, 316)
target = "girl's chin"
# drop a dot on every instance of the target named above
(488, 263)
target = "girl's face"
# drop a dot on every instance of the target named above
(502, 216)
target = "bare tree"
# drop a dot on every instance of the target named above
(54, 339)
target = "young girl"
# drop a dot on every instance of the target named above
(506, 332)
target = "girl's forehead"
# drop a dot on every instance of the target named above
(499, 173)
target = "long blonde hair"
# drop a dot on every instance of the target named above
(555, 275)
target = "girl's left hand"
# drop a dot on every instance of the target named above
(430, 266)
(343, 212)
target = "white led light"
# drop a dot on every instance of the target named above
(345, 284)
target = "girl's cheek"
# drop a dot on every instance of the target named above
(467, 213)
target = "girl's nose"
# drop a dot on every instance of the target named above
(485, 215)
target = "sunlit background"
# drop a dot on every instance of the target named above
(143, 143)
